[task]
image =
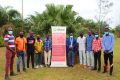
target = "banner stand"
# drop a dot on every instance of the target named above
(58, 46)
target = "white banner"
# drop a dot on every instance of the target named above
(58, 46)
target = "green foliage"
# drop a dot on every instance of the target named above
(59, 15)
(1, 41)
(117, 31)
(54, 15)
(10, 18)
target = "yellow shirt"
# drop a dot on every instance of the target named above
(38, 46)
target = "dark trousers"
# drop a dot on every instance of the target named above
(71, 58)
(97, 58)
(108, 56)
(30, 54)
(9, 62)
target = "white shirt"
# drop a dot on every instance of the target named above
(81, 42)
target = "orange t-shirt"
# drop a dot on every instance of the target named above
(21, 43)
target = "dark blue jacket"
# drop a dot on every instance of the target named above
(68, 44)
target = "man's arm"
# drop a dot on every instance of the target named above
(112, 43)
(103, 43)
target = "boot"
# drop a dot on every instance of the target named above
(105, 69)
(99, 69)
(13, 74)
(7, 78)
(111, 70)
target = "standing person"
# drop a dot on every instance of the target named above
(71, 45)
(47, 50)
(30, 49)
(21, 49)
(97, 47)
(10, 53)
(81, 40)
(89, 52)
(38, 51)
(108, 44)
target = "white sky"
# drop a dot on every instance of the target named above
(85, 8)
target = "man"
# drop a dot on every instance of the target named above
(89, 52)
(38, 51)
(97, 47)
(81, 40)
(71, 45)
(21, 49)
(47, 50)
(30, 49)
(108, 44)
(10, 53)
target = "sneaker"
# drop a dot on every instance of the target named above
(18, 71)
(36, 67)
(89, 67)
(72, 65)
(110, 74)
(46, 65)
(24, 69)
(7, 78)
(94, 69)
(13, 74)
(41, 65)
(99, 69)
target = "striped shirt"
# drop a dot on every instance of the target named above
(10, 39)
(97, 45)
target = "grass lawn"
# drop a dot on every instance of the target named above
(75, 73)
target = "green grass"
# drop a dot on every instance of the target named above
(75, 73)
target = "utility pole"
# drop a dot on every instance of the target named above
(22, 17)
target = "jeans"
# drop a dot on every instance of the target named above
(71, 58)
(38, 59)
(90, 58)
(82, 57)
(21, 55)
(97, 58)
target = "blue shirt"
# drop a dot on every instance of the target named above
(47, 44)
(89, 41)
(108, 42)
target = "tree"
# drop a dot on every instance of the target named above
(103, 10)
(117, 30)
(53, 16)
(10, 17)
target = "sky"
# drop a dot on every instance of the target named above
(85, 8)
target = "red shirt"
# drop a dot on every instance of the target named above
(97, 45)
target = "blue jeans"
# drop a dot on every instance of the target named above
(90, 58)
(71, 58)
(21, 55)
(38, 59)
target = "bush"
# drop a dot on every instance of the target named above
(1, 41)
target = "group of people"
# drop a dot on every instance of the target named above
(30, 46)
(35, 48)
(90, 49)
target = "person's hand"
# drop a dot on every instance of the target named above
(93, 51)
(46, 50)
(106, 51)
(17, 55)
